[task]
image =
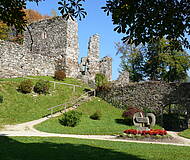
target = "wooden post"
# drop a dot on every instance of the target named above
(65, 108)
(51, 112)
(54, 85)
(94, 93)
(74, 89)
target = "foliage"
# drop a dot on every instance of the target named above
(171, 121)
(132, 60)
(70, 118)
(11, 34)
(143, 21)
(104, 87)
(72, 9)
(140, 21)
(165, 63)
(32, 16)
(128, 115)
(100, 79)
(4, 31)
(150, 132)
(155, 61)
(1, 99)
(130, 112)
(21, 108)
(25, 86)
(96, 116)
(42, 87)
(108, 125)
(60, 75)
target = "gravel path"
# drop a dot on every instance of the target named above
(27, 129)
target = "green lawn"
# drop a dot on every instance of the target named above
(107, 124)
(18, 107)
(185, 133)
(32, 148)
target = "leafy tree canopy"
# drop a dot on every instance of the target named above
(155, 61)
(141, 20)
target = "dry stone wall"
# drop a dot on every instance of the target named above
(153, 96)
(16, 61)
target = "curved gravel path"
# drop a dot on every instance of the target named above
(27, 129)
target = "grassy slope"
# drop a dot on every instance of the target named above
(107, 124)
(185, 133)
(30, 148)
(18, 107)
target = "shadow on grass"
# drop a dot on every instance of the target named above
(43, 149)
(120, 121)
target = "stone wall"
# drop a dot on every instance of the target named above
(16, 61)
(148, 95)
(91, 65)
(50, 45)
(106, 67)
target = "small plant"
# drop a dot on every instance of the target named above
(60, 75)
(1, 99)
(102, 83)
(25, 86)
(128, 115)
(96, 116)
(100, 80)
(42, 87)
(70, 118)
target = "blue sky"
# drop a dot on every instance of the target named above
(95, 22)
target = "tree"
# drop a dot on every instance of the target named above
(11, 34)
(4, 31)
(132, 59)
(165, 63)
(155, 61)
(32, 16)
(140, 20)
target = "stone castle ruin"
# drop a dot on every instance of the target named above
(50, 45)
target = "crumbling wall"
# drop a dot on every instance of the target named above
(49, 45)
(105, 65)
(17, 61)
(91, 65)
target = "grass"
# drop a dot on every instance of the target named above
(185, 133)
(34, 148)
(18, 107)
(110, 123)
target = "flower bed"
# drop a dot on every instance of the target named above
(150, 132)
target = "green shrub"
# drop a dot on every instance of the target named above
(70, 118)
(171, 121)
(25, 86)
(100, 80)
(96, 116)
(1, 99)
(42, 87)
(60, 75)
(102, 83)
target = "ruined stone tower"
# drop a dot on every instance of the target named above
(50, 45)
(55, 38)
(91, 65)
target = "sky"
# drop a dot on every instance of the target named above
(96, 22)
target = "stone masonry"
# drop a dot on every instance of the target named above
(50, 45)
(92, 64)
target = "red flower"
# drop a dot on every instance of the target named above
(150, 132)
